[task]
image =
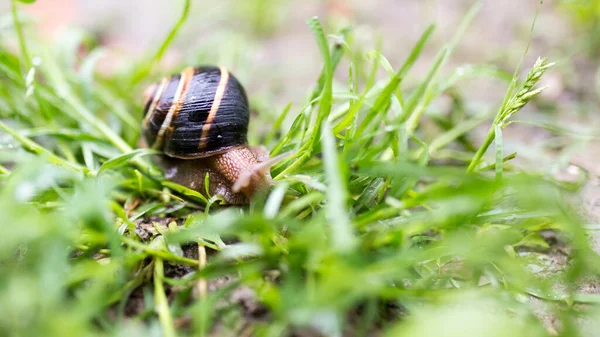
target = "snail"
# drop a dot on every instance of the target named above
(199, 120)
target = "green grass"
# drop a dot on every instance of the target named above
(375, 227)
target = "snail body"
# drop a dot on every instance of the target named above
(199, 120)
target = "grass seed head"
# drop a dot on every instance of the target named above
(526, 91)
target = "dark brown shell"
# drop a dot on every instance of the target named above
(197, 113)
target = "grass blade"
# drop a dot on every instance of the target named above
(166, 43)
(35, 148)
(383, 100)
(327, 93)
(162, 304)
(20, 36)
(124, 159)
(499, 150)
(342, 236)
(278, 123)
(418, 102)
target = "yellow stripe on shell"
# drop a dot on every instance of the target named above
(214, 107)
(159, 91)
(176, 104)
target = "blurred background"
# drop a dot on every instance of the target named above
(268, 44)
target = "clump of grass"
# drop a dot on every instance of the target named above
(369, 222)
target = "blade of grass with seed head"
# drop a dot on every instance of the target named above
(503, 112)
(513, 104)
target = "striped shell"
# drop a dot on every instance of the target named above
(200, 112)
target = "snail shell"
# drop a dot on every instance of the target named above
(200, 112)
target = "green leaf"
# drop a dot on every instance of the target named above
(277, 125)
(342, 236)
(145, 68)
(185, 191)
(327, 93)
(273, 204)
(499, 150)
(308, 200)
(533, 240)
(428, 86)
(124, 159)
(27, 1)
(383, 100)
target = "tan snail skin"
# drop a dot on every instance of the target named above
(199, 120)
